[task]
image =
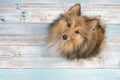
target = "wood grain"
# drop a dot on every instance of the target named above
(23, 46)
(41, 57)
(35, 33)
(23, 28)
(112, 2)
(63, 74)
(23, 51)
(36, 12)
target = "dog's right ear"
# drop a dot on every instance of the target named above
(74, 10)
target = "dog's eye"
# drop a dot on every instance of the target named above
(77, 32)
(68, 25)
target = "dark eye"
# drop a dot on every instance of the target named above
(68, 25)
(77, 32)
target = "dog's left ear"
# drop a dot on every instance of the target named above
(92, 23)
(75, 10)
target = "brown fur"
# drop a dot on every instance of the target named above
(84, 34)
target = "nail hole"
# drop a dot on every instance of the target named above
(2, 19)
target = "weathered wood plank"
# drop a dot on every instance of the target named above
(8, 6)
(34, 51)
(14, 51)
(32, 6)
(31, 1)
(23, 29)
(30, 29)
(41, 57)
(60, 74)
(22, 40)
(103, 2)
(113, 2)
(47, 13)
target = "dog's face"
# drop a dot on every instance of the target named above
(69, 33)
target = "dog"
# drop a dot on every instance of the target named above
(75, 36)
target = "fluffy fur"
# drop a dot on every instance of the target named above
(75, 36)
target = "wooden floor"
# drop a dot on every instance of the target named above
(23, 26)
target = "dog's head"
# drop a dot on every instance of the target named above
(71, 31)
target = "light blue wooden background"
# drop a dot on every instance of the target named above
(23, 52)
(60, 74)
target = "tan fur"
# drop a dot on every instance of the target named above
(84, 34)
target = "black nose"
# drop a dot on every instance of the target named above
(64, 37)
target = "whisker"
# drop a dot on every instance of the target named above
(61, 47)
(53, 43)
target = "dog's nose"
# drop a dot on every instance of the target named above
(65, 37)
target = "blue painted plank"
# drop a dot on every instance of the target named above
(59, 74)
(25, 29)
(114, 2)
(30, 1)
(32, 29)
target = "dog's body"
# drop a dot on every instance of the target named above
(75, 36)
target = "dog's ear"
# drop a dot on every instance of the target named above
(75, 10)
(92, 23)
